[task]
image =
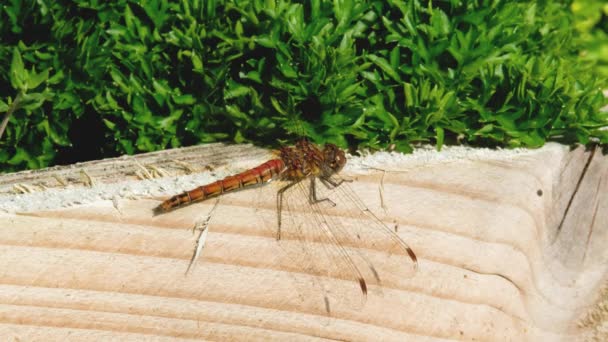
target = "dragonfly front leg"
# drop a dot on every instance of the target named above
(312, 199)
(280, 206)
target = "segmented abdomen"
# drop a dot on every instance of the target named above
(260, 174)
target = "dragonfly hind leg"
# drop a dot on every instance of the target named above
(280, 206)
(312, 199)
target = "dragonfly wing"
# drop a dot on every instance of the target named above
(381, 255)
(310, 241)
(345, 251)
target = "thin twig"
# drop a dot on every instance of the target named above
(9, 112)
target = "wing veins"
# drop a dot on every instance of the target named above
(321, 221)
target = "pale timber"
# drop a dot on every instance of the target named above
(508, 249)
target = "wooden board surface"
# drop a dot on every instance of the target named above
(508, 249)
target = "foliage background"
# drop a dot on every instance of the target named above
(89, 79)
(591, 22)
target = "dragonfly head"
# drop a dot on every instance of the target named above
(334, 157)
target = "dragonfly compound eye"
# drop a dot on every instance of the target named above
(334, 156)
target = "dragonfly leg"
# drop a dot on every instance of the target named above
(313, 194)
(330, 183)
(280, 206)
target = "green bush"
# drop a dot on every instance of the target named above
(591, 20)
(136, 76)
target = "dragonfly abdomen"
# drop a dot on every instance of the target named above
(257, 175)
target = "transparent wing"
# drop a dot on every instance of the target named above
(330, 233)
(309, 241)
(372, 233)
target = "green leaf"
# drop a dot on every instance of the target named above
(3, 106)
(238, 137)
(184, 99)
(410, 94)
(109, 124)
(277, 106)
(236, 91)
(32, 101)
(348, 91)
(56, 78)
(385, 66)
(52, 133)
(20, 156)
(440, 22)
(35, 79)
(144, 143)
(197, 63)
(265, 41)
(18, 74)
(439, 136)
(127, 145)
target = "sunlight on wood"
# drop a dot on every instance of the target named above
(508, 248)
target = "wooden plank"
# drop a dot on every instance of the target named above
(509, 249)
(174, 162)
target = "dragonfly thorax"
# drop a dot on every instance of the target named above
(306, 159)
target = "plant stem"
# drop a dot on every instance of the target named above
(9, 112)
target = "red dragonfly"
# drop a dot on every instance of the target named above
(295, 166)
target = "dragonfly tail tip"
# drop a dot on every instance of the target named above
(158, 210)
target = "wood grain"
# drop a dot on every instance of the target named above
(508, 250)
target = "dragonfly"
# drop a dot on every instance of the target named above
(298, 170)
